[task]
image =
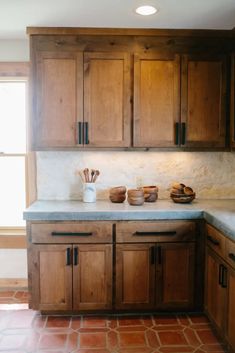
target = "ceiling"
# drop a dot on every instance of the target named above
(16, 15)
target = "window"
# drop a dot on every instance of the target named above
(13, 93)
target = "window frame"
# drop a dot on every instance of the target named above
(16, 71)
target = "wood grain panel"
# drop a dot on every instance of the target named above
(134, 276)
(56, 100)
(107, 99)
(50, 277)
(14, 69)
(176, 273)
(140, 232)
(215, 295)
(156, 100)
(231, 309)
(215, 240)
(204, 101)
(84, 232)
(230, 252)
(92, 278)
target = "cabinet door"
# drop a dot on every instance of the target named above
(107, 99)
(231, 309)
(203, 102)
(134, 276)
(175, 272)
(215, 294)
(92, 277)
(50, 275)
(156, 100)
(59, 100)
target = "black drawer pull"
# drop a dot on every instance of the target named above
(232, 256)
(152, 255)
(73, 234)
(155, 233)
(68, 257)
(76, 256)
(86, 134)
(213, 241)
(224, 277)
(221, 274)
(183, 133)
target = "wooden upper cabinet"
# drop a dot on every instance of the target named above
(107, 106)
(58, 102)
(203, 101)
(156, 100)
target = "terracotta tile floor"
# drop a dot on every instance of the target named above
(26, 331)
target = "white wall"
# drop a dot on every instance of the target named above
(14, 50)
(13, 262)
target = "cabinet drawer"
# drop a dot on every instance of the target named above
(145, 232)
(215, 240)
(71, 232)
(230, 252)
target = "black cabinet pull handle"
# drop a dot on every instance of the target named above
(212, 240)
(152, 255)
(73, 234)
(86, 134)
(220, 274)
(80, 139)
(232, 256)
(176, 133)
(68, 257)
(154, 233)
(159, 255)
(75, 256)
(183, 133)
(224, 277)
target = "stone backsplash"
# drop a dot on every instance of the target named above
(210, 174)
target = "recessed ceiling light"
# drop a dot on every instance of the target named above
(146, 10)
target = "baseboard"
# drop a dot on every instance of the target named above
(13, 283)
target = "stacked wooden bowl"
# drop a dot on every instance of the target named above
(181, 193)
(135, 197)
(117, 194)
(150, 193)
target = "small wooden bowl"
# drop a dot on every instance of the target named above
(150, 193)
(117, 190)
(137, 201)
(118, 198)
(178, 186)
(135, 193)
(188, 191)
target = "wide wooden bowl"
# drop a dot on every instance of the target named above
(136, 201)
(183, 198)
(135, 193)
(117, 190)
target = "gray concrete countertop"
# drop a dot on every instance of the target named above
(219, 213)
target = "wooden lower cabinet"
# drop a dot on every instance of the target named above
(215, 294)
(175, 273)
(70, 277)
(135, 272)
(157, 276)
(231, 309)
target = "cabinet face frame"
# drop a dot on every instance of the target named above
(230, 324)
(171, 58)
(221, 141)
(38, 102)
